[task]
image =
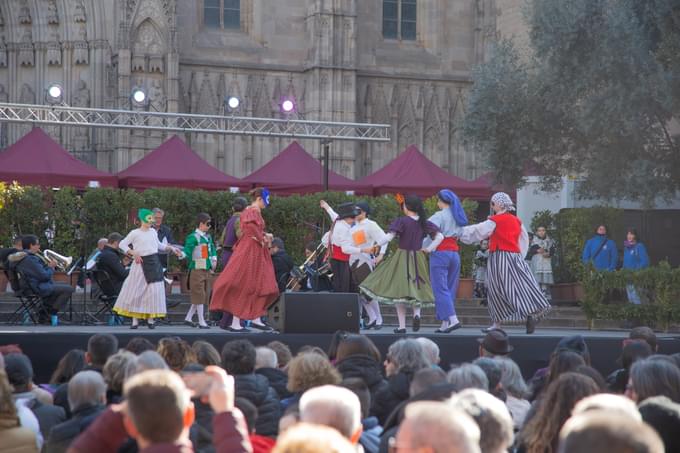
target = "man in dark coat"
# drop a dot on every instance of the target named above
(282, 262)
(267, 364)
(110, 261)
(238, 358)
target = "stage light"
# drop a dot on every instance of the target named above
(288, 105)
(233, 102)
(55, 94)
(138, 96)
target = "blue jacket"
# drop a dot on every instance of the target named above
(38, 275)
(607, 258)
(635, 257)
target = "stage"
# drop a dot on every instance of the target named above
(46, 345)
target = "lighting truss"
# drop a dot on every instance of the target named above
(62, 115)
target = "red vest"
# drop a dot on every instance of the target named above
(337, 253)
(505, 237)
(448, 245)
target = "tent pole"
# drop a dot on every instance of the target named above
(326, 163)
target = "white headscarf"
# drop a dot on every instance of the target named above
(503, 200)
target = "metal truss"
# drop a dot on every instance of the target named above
(62, 115)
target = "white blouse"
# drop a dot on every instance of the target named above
(473, 234)
(144, 242)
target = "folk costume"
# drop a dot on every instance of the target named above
(365, 233)
(142, 295)
(202, 261)
(445, 260)
(247, 286)
(232, 231)
(404, 278)
(541, 262)
(341, 247)
(513, 292)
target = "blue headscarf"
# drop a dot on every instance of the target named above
(450, 198)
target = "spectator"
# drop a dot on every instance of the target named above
(238, 359)
(206, 354)
(282, 262)
(308, 438)
(493, 371)
(87, 399)
(72, 363)
(467, 376)
(634, 258)
(645, 334)
(593, 374)
(336, 340)
(335, 407)
(307, 371)
(610, 403)
(114, 373)
(492, 418)
(283, 354)
(16, 437)
(494, 344)
(99, 348)
(663, 415)
(266, 364)
(147, 360)
(291, 417)
(137, 345)
(371, 429)
(404, 358)
(663, 358)
(540, 433)
(20, 374)
(359, 357)
(315, 350)
(434, 427)
(598, 431)
(176, 352)
(430, 349)
(600, 251)
(632, 352)
(650, 378)
(425, 379)
(561, 361)
(516, 391)
(260, 444)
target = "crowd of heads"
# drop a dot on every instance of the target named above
(347, 398)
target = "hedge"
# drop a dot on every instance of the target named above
(71, 222)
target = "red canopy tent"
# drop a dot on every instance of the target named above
(174, 164)
(294, 171)
(413, 173)
(38, 160)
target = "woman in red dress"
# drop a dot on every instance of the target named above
(247, 286)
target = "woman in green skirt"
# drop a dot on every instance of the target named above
(404, 278)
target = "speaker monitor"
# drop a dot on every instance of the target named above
(310, 312)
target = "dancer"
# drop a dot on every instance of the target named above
(231, 234)
(365, 234)
(247, 286)
(445, 260)
(202, 256)
(513, 292)
(404, 278)
(143, 293)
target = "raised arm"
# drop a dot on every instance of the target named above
(326, 207)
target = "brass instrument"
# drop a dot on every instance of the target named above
(63, 262)
(297, 274)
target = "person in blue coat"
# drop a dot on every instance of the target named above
(634, 258)
(600, 251)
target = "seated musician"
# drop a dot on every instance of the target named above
(38, 274)
(313, 281)
(283, 263)
(111, 260)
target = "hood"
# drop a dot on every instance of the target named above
(361, 366)
(18, 256)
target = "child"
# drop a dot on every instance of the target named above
(202, 261)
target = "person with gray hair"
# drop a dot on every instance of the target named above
(650, 378)
(432, 426)
(87, 400)
(516, 390)
(467, 376)
(333, 406)
(610, 403)
(164, 233)
(494, 373)
(147, 360)
(267, 364)
(492, 417)
(404, 358)
(115, 373)
(431, 350)
(265, 358)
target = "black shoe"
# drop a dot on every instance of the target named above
(190, 323)
(241, 330)
(416, 323)
(377, 327)
(399, 331)
(449, 329)
(151, 325)
(262, 327)
(203, 327)
(531, 324)
(369, 326)
(489, 329)
(134, 326)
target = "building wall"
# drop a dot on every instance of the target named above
(329, 55)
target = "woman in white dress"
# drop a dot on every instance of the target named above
(143, 293)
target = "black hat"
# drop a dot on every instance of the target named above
(363, 205)
(346, 210)
(496, 342)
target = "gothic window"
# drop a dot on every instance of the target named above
(399, 19)
(222, 14)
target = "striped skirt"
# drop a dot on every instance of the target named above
(139, 299)
(513, 293)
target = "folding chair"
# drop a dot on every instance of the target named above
(31, 304)
(107, 294)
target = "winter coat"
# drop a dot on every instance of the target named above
(390, 396)
(604, 257)
(15, 438)
(48, 415)
(64, 433)
(256, 389)
(109, 260)
(366, 368)
(277, 379)
(37, 274)
(635, 257)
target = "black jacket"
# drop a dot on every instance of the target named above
(61, 393)
(389, 397)
(109, 260)
(277, 379)
(62, 435)
(47, 414)
(366, 368)
(283, 264)
(256, 389)
(164, 232)
(4, 256)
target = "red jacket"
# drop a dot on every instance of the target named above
(262, 444)
(505, 238)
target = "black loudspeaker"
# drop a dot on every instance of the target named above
(309, 312)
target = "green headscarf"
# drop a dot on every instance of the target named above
(145, 215)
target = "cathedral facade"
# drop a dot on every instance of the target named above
(406, 63)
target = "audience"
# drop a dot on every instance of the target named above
(650, 378)
(312, 438)
(72, 363)
(468, 376)
(495, 344)
(333, 406)
(206, 354)
(516, 391)
(493, 371)
(371, 429)
(425, 379)
(608, 402)
(260, 444)
(492, 418)
(138, 345)
(430, 349)
(632, 352)
(643, 333)
(283, 354)
(15, 435)
(663, 415)
(306, 371)
(115, 372)
(358, 357)
(176, 352)
(267, 365)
